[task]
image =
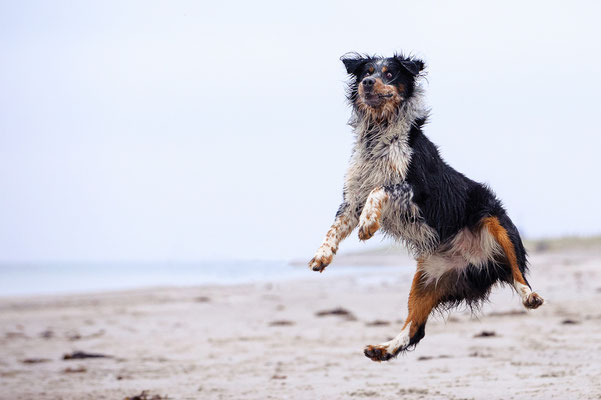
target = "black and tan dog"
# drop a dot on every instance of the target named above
(459, 232)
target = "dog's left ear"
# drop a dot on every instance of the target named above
(413, 66)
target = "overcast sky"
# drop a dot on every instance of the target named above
(205, 130)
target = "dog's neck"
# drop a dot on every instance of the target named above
(370, 131)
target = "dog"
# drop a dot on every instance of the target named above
(458, 231)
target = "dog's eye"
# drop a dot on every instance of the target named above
(389, 75)
(368, 73)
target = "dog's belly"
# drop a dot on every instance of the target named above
(476, 248)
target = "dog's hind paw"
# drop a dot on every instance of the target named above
(533, 301)
(377, 353)
(390, 349)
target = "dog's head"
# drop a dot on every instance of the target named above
(380, 86)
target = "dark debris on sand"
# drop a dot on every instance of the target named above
(78, 355)
(74, 336)
(480, 354)
(485, 334)
(426, 358)
(282, 322)
(75, 370)
(47, 334)
(510, 313)
(145, 395)
(377, 322)
(35, 360)
(339, 311)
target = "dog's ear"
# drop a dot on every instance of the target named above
(353, 62)
(413, 65)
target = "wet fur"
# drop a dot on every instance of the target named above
(397, 182)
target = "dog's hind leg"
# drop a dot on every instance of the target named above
(423, 298)
(346, 220)
(530, 299)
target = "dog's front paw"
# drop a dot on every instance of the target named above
(533, 301)
(369, 221)
(368, 228)
(322, 259)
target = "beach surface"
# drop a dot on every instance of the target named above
(304, 339)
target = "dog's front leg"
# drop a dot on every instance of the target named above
(369, 221)
(346, 220)
(379, 199)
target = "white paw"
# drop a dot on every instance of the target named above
(378, 352)
(386, 351)
(322, 259)
(533, 301)
(530, 299)
(369, 222)
(368, 227)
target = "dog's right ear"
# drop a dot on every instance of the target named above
(353, 62)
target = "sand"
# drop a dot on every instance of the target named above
(265, 341)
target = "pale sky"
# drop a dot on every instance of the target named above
(149, 131)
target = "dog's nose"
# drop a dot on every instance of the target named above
(369, 83)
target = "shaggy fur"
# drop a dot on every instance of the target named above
(458, 231)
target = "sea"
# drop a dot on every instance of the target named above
(85, 277)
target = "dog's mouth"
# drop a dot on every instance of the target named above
(375, 99)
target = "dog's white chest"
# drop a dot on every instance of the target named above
(387, 163)
(384, 164)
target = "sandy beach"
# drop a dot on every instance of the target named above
(304, 339)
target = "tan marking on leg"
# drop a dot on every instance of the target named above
(500, 234)
(422, 300)
(530, 299)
